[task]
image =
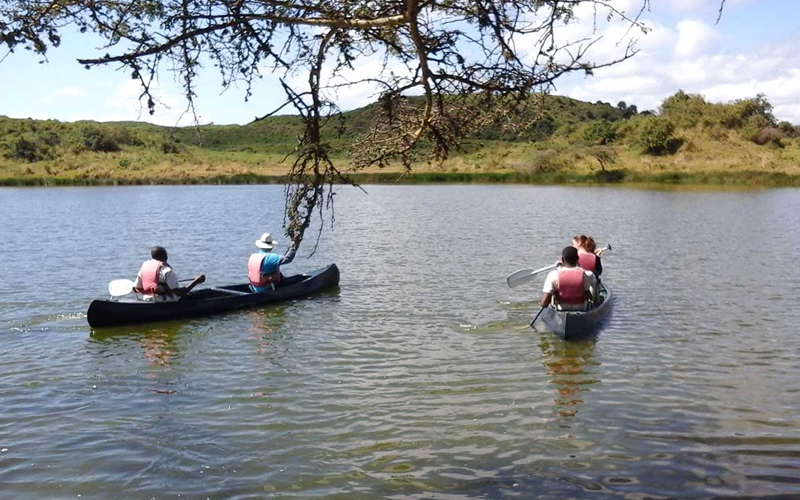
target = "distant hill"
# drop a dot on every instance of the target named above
(279, 133)
(570, 140)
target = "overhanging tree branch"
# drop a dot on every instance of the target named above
(476, 63)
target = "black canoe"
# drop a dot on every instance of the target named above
(571, 325)
(208, 301)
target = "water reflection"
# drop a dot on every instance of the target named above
(159, 344)
(422, 379)
(159, 347)
(261, 326)
(569, 365)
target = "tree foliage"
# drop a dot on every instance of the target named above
(654, 135)
(601, 132)
(475, 62)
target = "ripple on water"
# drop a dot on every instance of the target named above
(418, 377)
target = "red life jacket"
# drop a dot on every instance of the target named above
(149, 276)
(254, 272)
(570, 285)
(587, 260)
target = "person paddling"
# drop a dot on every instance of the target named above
(264, 267)
(588, 254)
(157, 282)
(569, 287)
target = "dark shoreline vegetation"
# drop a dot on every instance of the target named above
(745, 178)
(689, 142)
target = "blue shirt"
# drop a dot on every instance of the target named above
(271, 263)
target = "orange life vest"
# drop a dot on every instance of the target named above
(149, 276)
(254, 272)
(587, 261)
(570, 286)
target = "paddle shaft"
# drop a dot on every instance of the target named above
(194, 283)
(537, 316)
(232, 292)
(523, 276)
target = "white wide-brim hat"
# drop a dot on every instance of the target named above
(266, 242)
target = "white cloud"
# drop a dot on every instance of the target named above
(694, 38)
(686, 5)
(690, 58)
(123, 104)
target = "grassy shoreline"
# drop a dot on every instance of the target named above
(691, 142)
(743, 178)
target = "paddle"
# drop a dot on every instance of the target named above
(118, 288)
(524, 276)
(232, 292)
(181, 292)
(537, 316)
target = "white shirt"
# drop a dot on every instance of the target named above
(165, 275)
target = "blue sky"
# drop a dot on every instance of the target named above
(752, 50)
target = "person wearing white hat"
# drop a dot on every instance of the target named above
(264, 267)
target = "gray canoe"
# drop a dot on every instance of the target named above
(571, 325)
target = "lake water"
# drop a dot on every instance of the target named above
(417, 377)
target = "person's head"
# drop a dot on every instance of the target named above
(589, 245)
(159, 253)
(266, 242)
(579, 241)
(570, 256)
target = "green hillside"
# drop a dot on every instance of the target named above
(688, 140)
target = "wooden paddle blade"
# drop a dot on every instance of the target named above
(120, 287)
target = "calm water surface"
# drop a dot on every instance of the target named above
(417, 378)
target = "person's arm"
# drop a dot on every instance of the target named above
(589, 285)
(173, 286)
(598, 267)
(137, 284)
(289, 255)
(180, 292)
(549, 288)
(169, 280)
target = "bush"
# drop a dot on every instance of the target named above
(755, 126)
(654, 135)
(788, 130)
(29, 140)
(600, 133)
(170, 146)
(685, 110)
(92, 137)
(28, 147)
(543, 129)
(689, 110)
(126, 136)
(545, 161)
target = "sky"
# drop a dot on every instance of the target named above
(751, 50)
